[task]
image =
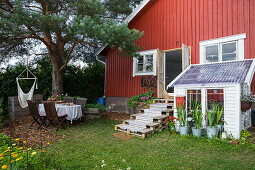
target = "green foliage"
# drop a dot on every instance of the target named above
(98, 105)
(20, 154)
(244, 135)
(146, 97)
(181, 112)
(211, 115)
(219, 114)
(133, 102)
(197, 115)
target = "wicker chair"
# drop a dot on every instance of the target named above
(82, 102)
(68, 99)
(54, 119)
(39, 118)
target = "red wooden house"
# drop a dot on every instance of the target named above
(178, 33)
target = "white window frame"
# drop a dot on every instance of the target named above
(239, 38)
(143, 53)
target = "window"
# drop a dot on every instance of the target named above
(222, 49)
(145, 64)
(193, 98)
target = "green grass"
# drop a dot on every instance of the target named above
(85, 146)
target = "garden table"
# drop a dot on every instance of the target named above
(73, 112)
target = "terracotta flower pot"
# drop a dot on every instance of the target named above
(245, 106)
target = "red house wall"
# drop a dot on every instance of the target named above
(167, 24)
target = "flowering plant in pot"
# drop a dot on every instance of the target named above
(181, 113)
(218, 119)
(211, 115)
(197, 118)
(246, 102)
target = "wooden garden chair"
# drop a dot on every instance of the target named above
(39, 118)
(53, 118)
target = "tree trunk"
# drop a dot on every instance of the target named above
(57, 76)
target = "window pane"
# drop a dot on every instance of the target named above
(140, 67)
(149, 62)
(211, 50)
(140, 63)
(210, 59)
(229, 57)
(229, 47)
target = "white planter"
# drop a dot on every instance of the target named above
(211, 132)
(184, 130)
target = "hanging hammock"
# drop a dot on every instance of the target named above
(23, 97)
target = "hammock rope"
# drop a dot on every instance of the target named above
(23, 97)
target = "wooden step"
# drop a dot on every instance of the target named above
(168, 112)
(133, 116)
(154, 126)
(163, 101)
(118, 127)
(160, 119)
(145, 133)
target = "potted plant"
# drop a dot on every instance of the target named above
(181, 113)
(218, 118)
(246, 102)
(211, 114)
(197, 118)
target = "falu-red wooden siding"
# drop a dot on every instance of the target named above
(167, 24)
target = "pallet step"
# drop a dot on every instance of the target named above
(168, 112)
(160, 119)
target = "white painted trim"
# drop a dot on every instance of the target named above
(148, 52)
(170, 84)
(223, 39)
(136, 11)
(239, 38)
(250, 73)
(128, 19)
(100, 60)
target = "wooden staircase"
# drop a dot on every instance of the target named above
(148, 121)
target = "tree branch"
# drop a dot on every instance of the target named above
(68, 55)
(28, 6)
(9, 3)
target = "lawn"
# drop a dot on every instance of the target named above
(91, 145)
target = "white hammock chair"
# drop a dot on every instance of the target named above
(23, 97)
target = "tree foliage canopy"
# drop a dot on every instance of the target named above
(66, 28)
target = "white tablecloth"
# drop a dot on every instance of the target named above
(73, 112)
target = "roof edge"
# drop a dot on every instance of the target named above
(170, 84)
(128, 19)
(250, 73)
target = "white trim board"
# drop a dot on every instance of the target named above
(250, 73)
(239, 38)
(127, 20)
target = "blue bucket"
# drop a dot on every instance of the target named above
(101, 100)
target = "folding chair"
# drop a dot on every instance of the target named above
(39, 118)
(54, 119)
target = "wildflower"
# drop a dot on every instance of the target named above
(18, 158)
(14, 155)
(123, 160)
(33, 153)
(48, 143)
(102, 161)
(24, 142)
(20, 148)
(4, 167)
(17, 139)
(165, 120)
(14, 144)
(128, 168)
(41, 150)
(29, 149)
